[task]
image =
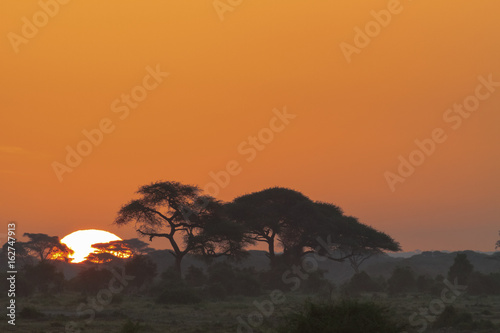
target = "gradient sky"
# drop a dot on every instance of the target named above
(352, 121)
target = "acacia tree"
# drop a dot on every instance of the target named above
(349, 239)
(280, 216)
(137, 246)
(366, 243)
(46, 247)
(497, 245)
(118, 249)
(275, 216)
(191, 222)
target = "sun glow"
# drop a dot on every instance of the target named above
(81, 242)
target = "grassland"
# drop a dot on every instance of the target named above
(207, 316)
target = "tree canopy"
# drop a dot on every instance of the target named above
(46, 247)
(285, 218)
(192, 222)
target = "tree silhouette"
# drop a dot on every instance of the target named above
(497, 245)
(116, 248)
(275, 216)
(344, 237)
(100, 258)
(46, 247)
(192, 222)
(22, 257)
(461, 269)
(137, 246)
(142, 268)
(402, 280)
(287, 218)
(119, 249)
(365, 242)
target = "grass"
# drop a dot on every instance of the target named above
(143, 314)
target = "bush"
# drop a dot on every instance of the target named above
(362, 282)
(195, 277)
(29, 312)
(402, 280)
(180, 294)
(344, 317)
(451, 318)
(43, 277)
(143, 269)
(233, 280)
(482, 284)
(91, 280)
(130, 327)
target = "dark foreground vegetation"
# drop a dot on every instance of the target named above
(224, 297)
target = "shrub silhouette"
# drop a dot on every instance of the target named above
(362, 282)
(29, 312)
(195, 277)
(452, 318)
(180, 294)
(402, 280)
(344, 317)
(233, 280)
(174, 290)
(130, 327)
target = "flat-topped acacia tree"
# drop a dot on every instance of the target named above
(286, 218)
(275, 216)
(46, 247)
(192, 222)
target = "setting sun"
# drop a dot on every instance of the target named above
(81, 242)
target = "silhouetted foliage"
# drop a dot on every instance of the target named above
(91, 280)
(461, 269)
(46, 247)
(195, 277)
(43, 277)
(137, 246)
(142, 268)
(362, 282)
(483, 284)
(285, 218)
(29, 312)
(347, 238)
(274, 216)
(171, 209)
(316, 283)
(224, 280)
(130, 327)
(452, 318)
(173, 290)
(402, 280)
(100, 258)
(345, 317)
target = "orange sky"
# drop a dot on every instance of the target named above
(225, 78)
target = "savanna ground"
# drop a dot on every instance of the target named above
(135, 313)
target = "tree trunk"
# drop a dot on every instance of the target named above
(178, 264)
(271, 254)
